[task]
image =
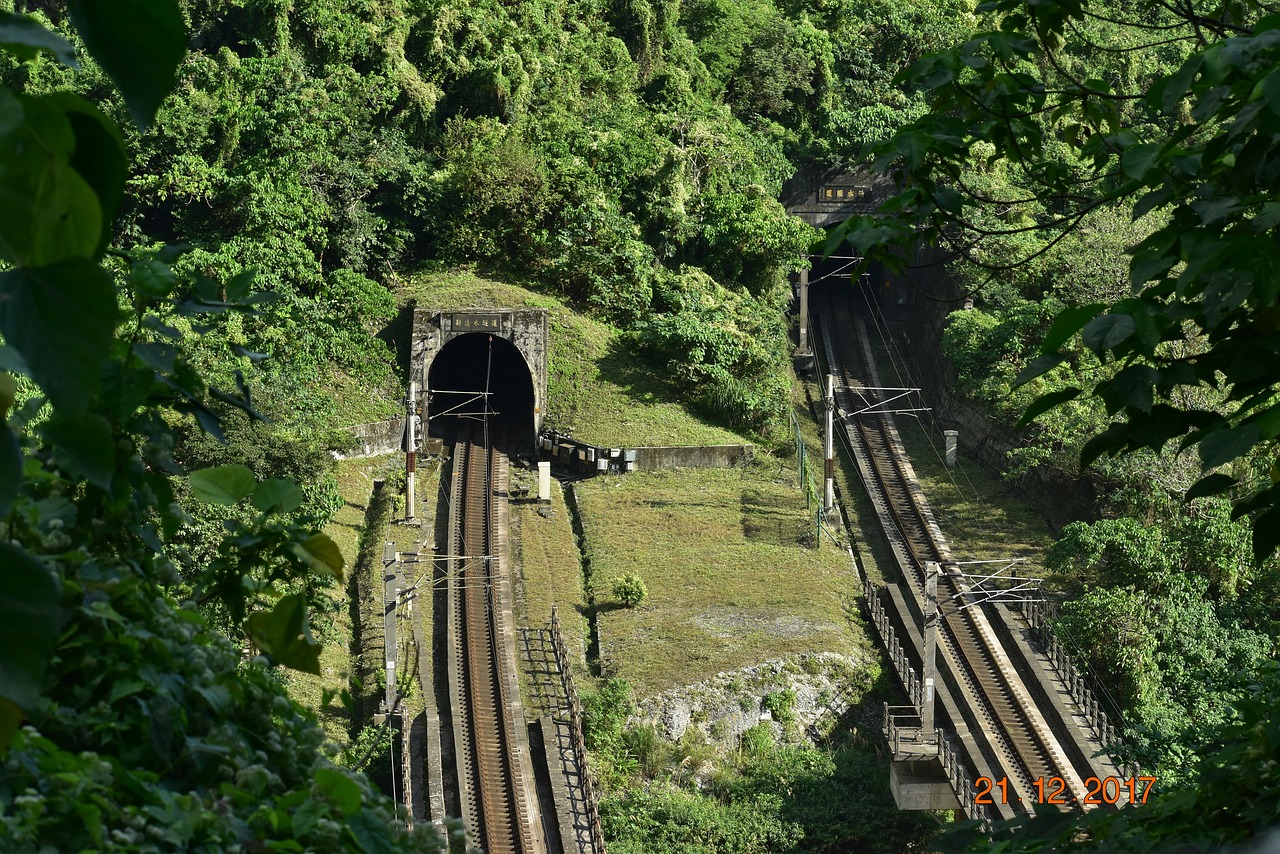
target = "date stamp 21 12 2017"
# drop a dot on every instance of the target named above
(1053, 790)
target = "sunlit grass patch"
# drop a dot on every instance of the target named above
(733, 579)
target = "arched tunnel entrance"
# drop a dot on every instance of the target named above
(479, 375)
(836, 273)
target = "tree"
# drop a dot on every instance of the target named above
(126, 720)
(1179, 129)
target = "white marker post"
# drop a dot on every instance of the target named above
(804, 309)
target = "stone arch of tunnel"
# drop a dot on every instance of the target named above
(457, 354)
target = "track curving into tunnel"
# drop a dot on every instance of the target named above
(1025, 749)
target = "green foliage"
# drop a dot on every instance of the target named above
(604, 718)
(777, 799)
(126, 720)
(1164, 632)
(757, 740)
(629, 589)
(730, 344)
(1188, 141)
(781, 704)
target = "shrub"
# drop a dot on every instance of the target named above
(629, 589)
(781, 704)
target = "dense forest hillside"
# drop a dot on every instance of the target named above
(210, 211)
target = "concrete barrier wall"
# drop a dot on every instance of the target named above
(382, 437)
(704, 456)
(591, 459)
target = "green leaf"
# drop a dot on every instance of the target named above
(914, 145)
(370, 833)
(152, 278)
(1266, 535)
(1103, 333)
(48, 211)
(321, 554)
(222, 484)
(126, 688)
(25, 37)
(85, 439)
(1226, 444)
(1135, 386)
(10, 468)
(1046, 402)
(1107, 442)
(1138, 160)
(1269, 89)
(138, 43)
(1037, 366)
(339, 788)
(282, 634)
(1214, 484)
(100, 158)
(277, 495)
(61, 319)
(1067, 323)
(11, 360)
(10, 719)
(29, 621)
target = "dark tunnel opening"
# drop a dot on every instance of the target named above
(836, 273)
(467, 367)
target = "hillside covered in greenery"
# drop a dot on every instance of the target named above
(211, 215)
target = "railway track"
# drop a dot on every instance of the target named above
(494, 779)
(1023, 744)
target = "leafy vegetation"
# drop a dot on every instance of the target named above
(196, 289)
(126, 719)
(629, 589)
(763, 797)
(1102, 174)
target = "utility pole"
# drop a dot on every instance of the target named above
(829, 492)
(931, 570)
(411, 447)
(804, 309)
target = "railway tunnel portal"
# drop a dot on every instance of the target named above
(474, 361)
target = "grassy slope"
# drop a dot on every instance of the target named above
(355, 480)
(730, 579)
(549, 570)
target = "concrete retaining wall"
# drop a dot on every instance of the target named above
(372, 440)
(592, 459)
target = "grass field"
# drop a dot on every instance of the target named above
(731, 573)
(355, 482)
(548, 567)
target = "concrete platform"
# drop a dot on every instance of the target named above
(921, 785)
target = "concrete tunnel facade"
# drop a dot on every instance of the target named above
(456, 353)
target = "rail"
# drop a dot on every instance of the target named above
(561, 653)
(974, 653)
(493, 787)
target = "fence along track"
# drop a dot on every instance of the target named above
(492, 787)
(995, 699)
